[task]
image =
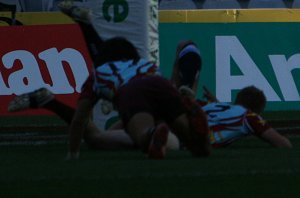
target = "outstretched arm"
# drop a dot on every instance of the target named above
(78, 126)
(275, 138)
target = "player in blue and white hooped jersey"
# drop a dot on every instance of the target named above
(112, 75)
(231, 122)
(227, 122)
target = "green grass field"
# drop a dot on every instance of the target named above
(248, 168)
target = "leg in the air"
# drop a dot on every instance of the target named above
(41, 98)
(82, 17)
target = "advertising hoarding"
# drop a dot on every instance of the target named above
(135, 20)
(51, 56)
(240, 48)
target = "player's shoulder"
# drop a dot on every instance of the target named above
(256, 122)
(255, 118)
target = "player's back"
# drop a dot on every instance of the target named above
(112, 75)
(227, 123)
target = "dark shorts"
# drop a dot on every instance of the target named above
(151, 94)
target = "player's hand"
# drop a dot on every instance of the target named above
(208, 95)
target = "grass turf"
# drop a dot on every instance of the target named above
(248, 168)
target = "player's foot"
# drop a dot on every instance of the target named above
(158, 143)
(34, 99)
(75, 12)
(198, 140)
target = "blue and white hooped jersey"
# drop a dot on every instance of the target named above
(110, 76)
(229, 122)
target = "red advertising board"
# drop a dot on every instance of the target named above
(34, 56)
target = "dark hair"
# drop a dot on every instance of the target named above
(117, 49)
(251, 98)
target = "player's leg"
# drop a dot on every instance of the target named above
(187, 65)
(137, 105)
(192, 128)
(172, 142)
(112, 139)
(75, 12)
(183, 115)
(150, 137)
(41, 98)
(192, 135)
(94, 137)
(82, 17)
(44, 98)
(93, 41)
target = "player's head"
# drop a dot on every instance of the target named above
(189, 64)
(118, 49)
(251, 98)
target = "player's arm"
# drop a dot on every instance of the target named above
(267, 133)
(78, 125)
(276, 139)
